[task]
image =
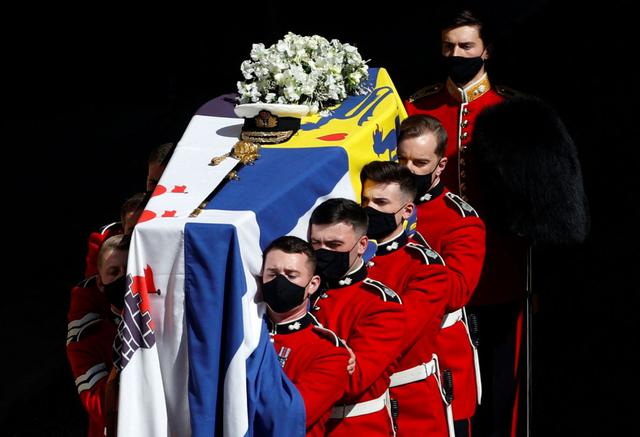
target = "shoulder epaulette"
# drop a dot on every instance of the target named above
(429, 255)
(328, 334)
(508, 93)
(87, 282)
(325, 332)
(387, 294)
(463, 207)
(420, 239)
(426, 91)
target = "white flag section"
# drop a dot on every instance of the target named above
(156, 383)
(192, 347)
(189, 178)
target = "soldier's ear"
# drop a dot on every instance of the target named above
(486, 53)
(313, 286)
(441, 166)
(408, 210)
(362, 244)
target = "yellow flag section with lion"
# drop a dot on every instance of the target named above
(365, 126)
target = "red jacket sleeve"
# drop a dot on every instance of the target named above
(463, 250)
(90, 372)
(376, 343)
(424, 300)
(89, 348)
(323, 382)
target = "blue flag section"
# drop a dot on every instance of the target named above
(214, 321)
(275, 405)
(282, 186)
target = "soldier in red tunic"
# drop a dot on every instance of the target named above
(465, 94)
(312, 357)
(498, 300)
(366, 314)
(129, 214)
(420, 277)
(93, 316)
(452, 227)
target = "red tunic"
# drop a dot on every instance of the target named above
(95, 243)
(91, 330)
(368, 316)
(316, 362)
(453, 228)
(421, 279)
(457, 109)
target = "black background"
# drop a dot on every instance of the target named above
(87, 94)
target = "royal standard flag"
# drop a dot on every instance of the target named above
(192, 347)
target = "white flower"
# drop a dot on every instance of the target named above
(302, 70)
(257, 51)
(247, 69)
(291, 94)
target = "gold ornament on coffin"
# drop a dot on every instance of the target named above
(232, 176)
(196, 212)
(244, 151)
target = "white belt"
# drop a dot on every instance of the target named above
(362, 408)
(423, 371)
(449, 411)
(451, 319)
(418, 373)
(476, 360)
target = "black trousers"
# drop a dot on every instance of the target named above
(501, 352)
(462, 427)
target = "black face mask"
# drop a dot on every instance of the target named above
(381, 223)
(423, 182)
(332, 265)
(282, 295)
(116, 290)
(462, 70)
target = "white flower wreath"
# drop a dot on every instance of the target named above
(304, 70)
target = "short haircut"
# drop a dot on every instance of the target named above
(161, 154)
(340, 210)
(467, 17)
(117, 242)
(291, 244)
(387, 172)
(417, 125)
(132, 204)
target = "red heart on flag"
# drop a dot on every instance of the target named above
(334, 137)
(160, 189)
(146, 216)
